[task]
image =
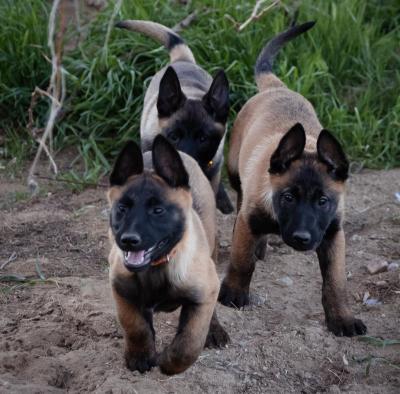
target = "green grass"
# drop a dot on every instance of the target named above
(348, 66)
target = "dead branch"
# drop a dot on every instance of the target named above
(9, 260)
(256, 14)
(184, 23)
(56, 93)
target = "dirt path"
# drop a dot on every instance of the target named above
(63, 336)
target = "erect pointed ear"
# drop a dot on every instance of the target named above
(216, 100)
(170, 95)
(290, 148)
(331, 153)
(168, 163)
(129, 162)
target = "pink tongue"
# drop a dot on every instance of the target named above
(135, 258)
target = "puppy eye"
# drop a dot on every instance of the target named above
(173, 136)
(121, 208)
(158, 210)
(288, 197)
(323, 201)
(203, 138)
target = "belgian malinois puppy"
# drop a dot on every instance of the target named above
(289, 174)
(187, 106)
(162, 229)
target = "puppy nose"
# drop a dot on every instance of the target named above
(130, 239)
(302, 237)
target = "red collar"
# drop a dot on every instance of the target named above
(164, 259)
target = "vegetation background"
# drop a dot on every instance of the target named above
(348, 66)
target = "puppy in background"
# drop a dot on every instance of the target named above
(162, 231)
(289, 173)
(187, 106)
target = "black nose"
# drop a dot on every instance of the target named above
(302, 237)
(130, 239)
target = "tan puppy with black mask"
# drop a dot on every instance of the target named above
(162, 231)
(187, 106)
(290, 176)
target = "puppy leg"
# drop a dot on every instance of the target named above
(224, 203)
(217, 336)
(235, 287)
(189, 341)
(339, 318)
(140, 352)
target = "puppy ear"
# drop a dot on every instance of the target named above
(129, 162)
(290, 148)
(216, 100)
(170, 95)
(330, 152)
(168, 163)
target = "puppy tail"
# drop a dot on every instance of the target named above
(177, 48)
(263, 68)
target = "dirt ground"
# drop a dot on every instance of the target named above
(61, 334)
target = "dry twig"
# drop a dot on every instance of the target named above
(9, 260)
(184, 23)
(56, 93)
(256, 14)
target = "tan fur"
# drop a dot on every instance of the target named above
(160, 33)
(194, 82)
(138, 337)
(150, 124)
(190, 270)
(266, 81)
(256, 133)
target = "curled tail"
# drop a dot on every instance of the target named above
(176, 46)
(263, 67)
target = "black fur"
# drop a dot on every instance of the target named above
(235, 182)
(151, 290)
(173, 41)
(170, 95)
(168, 163)
(290, 148)
(143, 211)
(331, 153)
(128, 163)
(194, 132)
(305, 206)
(267, 56)
(216, 101)
(261, 222)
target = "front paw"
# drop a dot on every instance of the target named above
(234, 298)
(217, 337)
(172, 361)
(141, 363)
(346, 327)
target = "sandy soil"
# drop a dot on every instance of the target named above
(62, 335)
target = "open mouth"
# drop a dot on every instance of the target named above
(138, 260)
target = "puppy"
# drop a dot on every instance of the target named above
(289, 174)
(162, 230)
(187, 106)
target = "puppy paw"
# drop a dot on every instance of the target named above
(140, 363)
(224, 204)
(217, 337)
(234, 298)
(172, 362)
(347, 327)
